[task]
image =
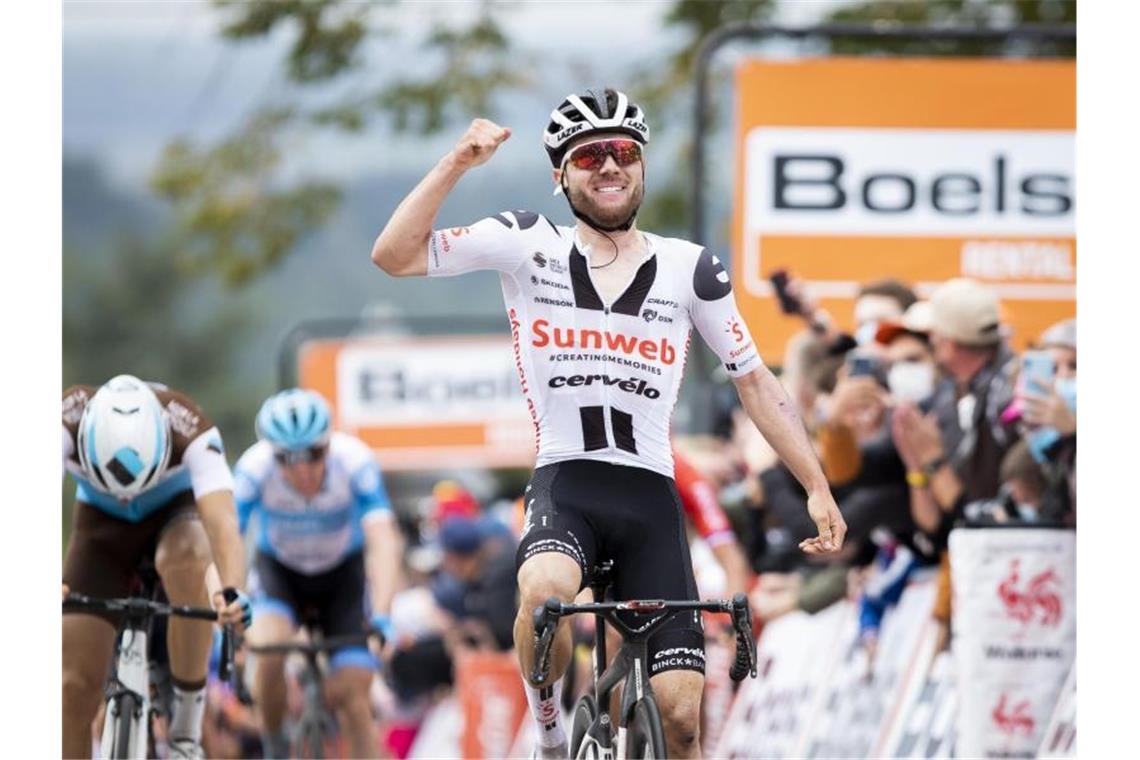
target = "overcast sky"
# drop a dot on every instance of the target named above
(137, 74)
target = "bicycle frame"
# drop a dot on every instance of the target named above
(631, 663)
(130, 684)
(315, 713)
(132, 676)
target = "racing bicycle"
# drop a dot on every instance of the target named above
(127, 725)
(640, 732)
(316, 729)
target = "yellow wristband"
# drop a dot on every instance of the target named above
(917, 479)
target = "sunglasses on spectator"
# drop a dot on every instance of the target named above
(311, 454)
(591, 156)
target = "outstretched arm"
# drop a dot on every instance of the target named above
(401, 250)
(774, 414)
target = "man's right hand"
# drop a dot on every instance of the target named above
(479, 143)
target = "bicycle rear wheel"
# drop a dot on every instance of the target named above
(311, 738)
(127, 705)
(646, 736)
(585, 713)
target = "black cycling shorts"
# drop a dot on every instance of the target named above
(334, 600)
(105, 552)
(596, 511)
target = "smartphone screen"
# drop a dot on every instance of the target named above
(1037, 372)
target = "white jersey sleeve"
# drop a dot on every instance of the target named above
(68, 447)
(491, 243)
(712, 309)
(205, 458)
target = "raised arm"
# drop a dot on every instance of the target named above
(401, 250)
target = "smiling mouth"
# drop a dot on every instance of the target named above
(609, 189)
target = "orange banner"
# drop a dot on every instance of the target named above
(851, 170)
(425, 402)
(493, 703)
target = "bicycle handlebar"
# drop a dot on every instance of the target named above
(308, 647)
(546, 618)
(139, 607)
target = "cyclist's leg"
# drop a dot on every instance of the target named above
(652, 561)
(351, 668)
(678, 695)
(347, 691)
(555, 551)
(275, 620)
(181, 557)
(101, 557)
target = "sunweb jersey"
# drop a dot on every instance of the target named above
(600, 379)
(314, 535)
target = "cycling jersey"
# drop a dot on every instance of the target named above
(699, 500)
(310, 536)
(197, 458)
(600, 379)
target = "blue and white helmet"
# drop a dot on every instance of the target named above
(124, 438)
(294, 419)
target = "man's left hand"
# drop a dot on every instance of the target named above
(828, 520)
(238, 613)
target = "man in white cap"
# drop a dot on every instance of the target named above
(958, 448)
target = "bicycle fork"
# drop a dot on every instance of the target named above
(131, 678)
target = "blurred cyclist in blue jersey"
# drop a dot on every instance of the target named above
(326, 538)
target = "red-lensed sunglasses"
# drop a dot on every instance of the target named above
(591, 156)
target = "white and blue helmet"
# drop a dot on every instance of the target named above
(294, 419)
(124, 438)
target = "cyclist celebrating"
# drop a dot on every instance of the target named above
(153, 482)
(600, 316)
(325, 524)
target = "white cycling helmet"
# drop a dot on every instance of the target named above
(124, 437)
(593, 111)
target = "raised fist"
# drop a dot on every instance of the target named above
(479, 143)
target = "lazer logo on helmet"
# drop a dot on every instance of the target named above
(653, 350)
(571, 130)
(636, 387)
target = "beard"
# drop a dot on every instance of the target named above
(608, 216)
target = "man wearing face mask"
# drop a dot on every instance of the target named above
(859, 454)
(956, 450)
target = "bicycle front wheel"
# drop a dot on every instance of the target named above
(645, 737)
(127, 705)
(585, 713)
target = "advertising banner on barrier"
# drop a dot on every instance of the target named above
(492, 700)
(795, 655)
(850, 170)
(427, 401)
(819, 695)
(1014, 619)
